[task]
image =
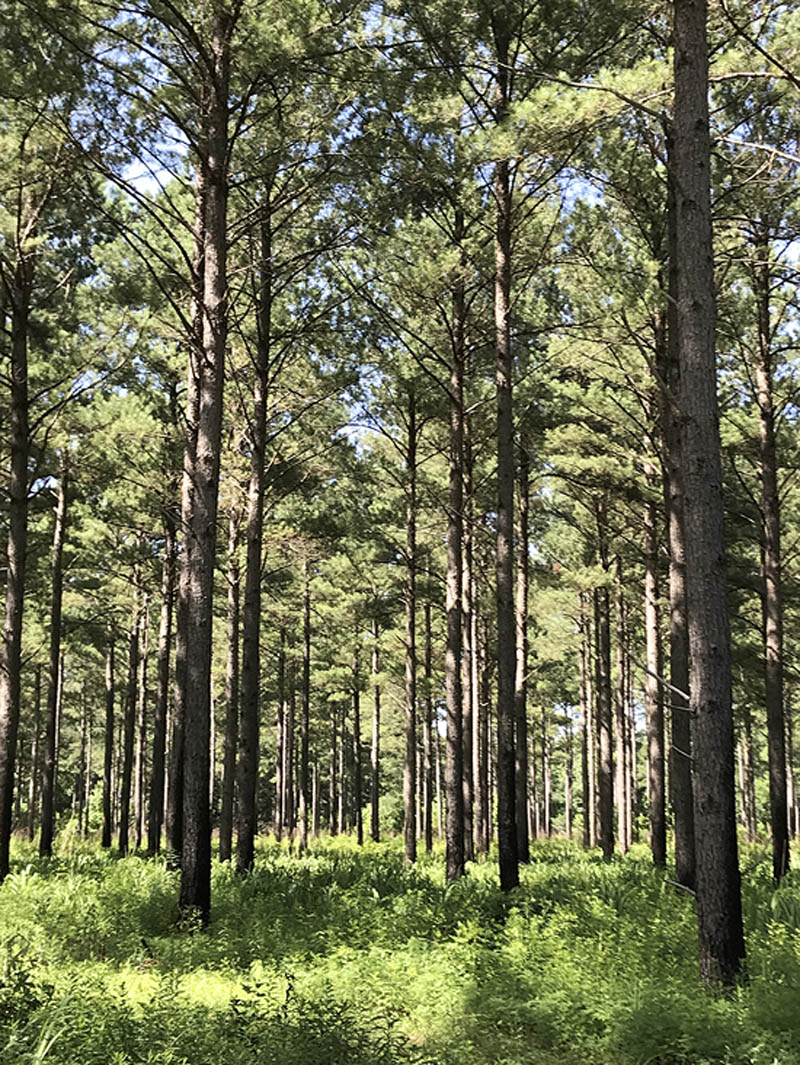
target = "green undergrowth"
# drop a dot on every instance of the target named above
(345, 957)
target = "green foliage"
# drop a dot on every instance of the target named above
(345, 957)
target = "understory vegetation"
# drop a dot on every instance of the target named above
(345, 957)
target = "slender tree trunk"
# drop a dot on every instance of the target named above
(332, 782)
(251, 663)
(428, 738)
(410, 758)
(231, 741)
(49, 768)
(620, 732)
(469, 697)
(506, 622)
(289, 810)
(279, 818)
(108, 753)
(791, 791)
(357, 789)
(772, 595)
(521, 679)
(375, 750)
(33, 785)
(141, 723)
(484, 711)
(568, 782)
(719, 910)
(201, 471)
(129, 721)
(456, 788)
(681, 788)
(305, 712)
(605, 767)
(653, 693)
(19, 293)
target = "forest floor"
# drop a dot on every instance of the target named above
(344, 957)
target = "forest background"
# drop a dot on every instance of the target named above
(333, 579)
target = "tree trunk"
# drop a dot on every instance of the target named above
(357, 790)
(620, 731)
(201, 471)
(129, 722)
(278, 817)
(108, 753)
(681, 788)
(605, 766)
(19, 291)
(305, 710)
(719, 910)
(410, 757)
(653, 694)
(428, 738)
(506, 622)
(141, 723)
(332, 782)
(375, 750)
(231, 740)
(521, 679)
(251, 629)
(772, 595)
(49, 767)
(33, 785)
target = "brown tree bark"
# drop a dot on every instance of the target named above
(718, 889)
(410, 756)
(653, 692)
(506, 623)
(49, 767)
(108, 755)
(357, 789)
(375, 749)
(305, 714)
(605, 762)
(620, 718)
(521, 677)
(772, 593)
(33, 784)
(129, 720)
(231, 739)
(428, 738)
(141, 726)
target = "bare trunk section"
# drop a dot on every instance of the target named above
(375, 749)
(410, 757)
(305, 714)
(457, 791)
(129, 721)
(231, 740)
(521, 679)
(108, 754)
(653, 692)
(620, 720)
(428, 738)
(506, 622)
(19, 293)
(605, 762)
(49, 767)
(357, 790)
(587, 728)
(251, 628)
(772, 596)
(719, 909)
(33, 785)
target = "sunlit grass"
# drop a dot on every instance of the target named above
(343, 956)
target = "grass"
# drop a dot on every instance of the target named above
(343, 957)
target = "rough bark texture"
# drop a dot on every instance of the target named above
(16, 546)
(455, 791)
(129, 722)
(681, 788)
(231, 738)
(201, 470)
(357, 797)
(719, 911)
(771, 596)
(653, 691)
(428, 738)
(521, 678)
(49, 767)
(305, 716)
(375, 748)
(410, 758)
(108, 753)
(605, 761)
(506, 623)
(251, 622)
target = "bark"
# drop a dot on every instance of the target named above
(587, 776)
(357, 790)
(305, 713)
(19, 291)
(456, 790)
(681, 788)
(653, 692)
(410, 756)
(332, 776)
(506, 623)
(428, 738)
(719, 911)
(141, 722)
(231, 740)
(484, 712)
(49, 767)
(791, 790)
(129, 722)
(605, 766)
(33, 785)
(289, 809)
(251, 629)
(375, 749)
(521, 678)
(772, 593)
(620, 719)
(278, 817)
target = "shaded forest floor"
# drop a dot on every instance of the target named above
(345, 958)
